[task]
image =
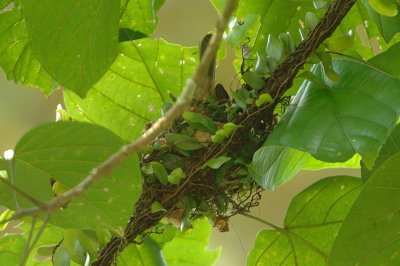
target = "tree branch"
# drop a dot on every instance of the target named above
(150, 135)
(197, 177)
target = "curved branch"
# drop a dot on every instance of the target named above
(143, 219)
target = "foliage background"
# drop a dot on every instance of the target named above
(21, 109)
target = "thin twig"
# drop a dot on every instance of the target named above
(150, 135)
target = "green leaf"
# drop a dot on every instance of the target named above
(136, 86)
(140, 15)
(11, 249)
(388, 61)
(189, 247)
(264, 98)
(217, 162)
(200, 122)
(160, 172)
(369, 234)
(354, 115)
(78, 43)
(61, 257)
(388, 26)
(156, 207)
(66, 152)
(146, 254)
(273, 166)
(384, 7)
(312, 221)
(391, 148)
(72, 244)
(254, 80)
(16, 56)
(176, 176)
(183, 142)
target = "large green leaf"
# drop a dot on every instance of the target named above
(11, 249)
(66, 152)
(370, 232)
(336, 120)
(79, 40)
(273, 165)
(146, 254)
(140, 15)
(391, 148)
(136, 86)
(189, 247)
(388, 26)
(388, 61)
(16, 56)
(312, 221)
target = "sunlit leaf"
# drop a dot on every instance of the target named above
(66, 152)
(391, 148)
(140, 15)
(146, 254)
(78, 43)
(369, 234)
(136, 86)
(190, 247)
(11, 249)
(353, 115)
(273, 166)
(388, 61)
(384, 7)
(16, 56)
(312, 221)
(388, 26)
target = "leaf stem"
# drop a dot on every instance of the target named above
(281, 229)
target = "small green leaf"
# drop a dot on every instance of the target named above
(274, 48)
(264, 98)
(242, 98)
(369, 234)
(311, 224)
(340, 43)
(156, 207)
(311, 20)
(61, 257)
(216, 163)
(200, 122)
(326, 60)
(183, 142)
(384, 7)
(253, 79)
(160, 172)
(73, 246)
(230, 127)
(176, 176)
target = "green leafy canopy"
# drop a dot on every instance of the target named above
(157, 206)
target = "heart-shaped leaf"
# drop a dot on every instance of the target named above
(369, 234)
(353, 115)
(312, 221)
(66, 152)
